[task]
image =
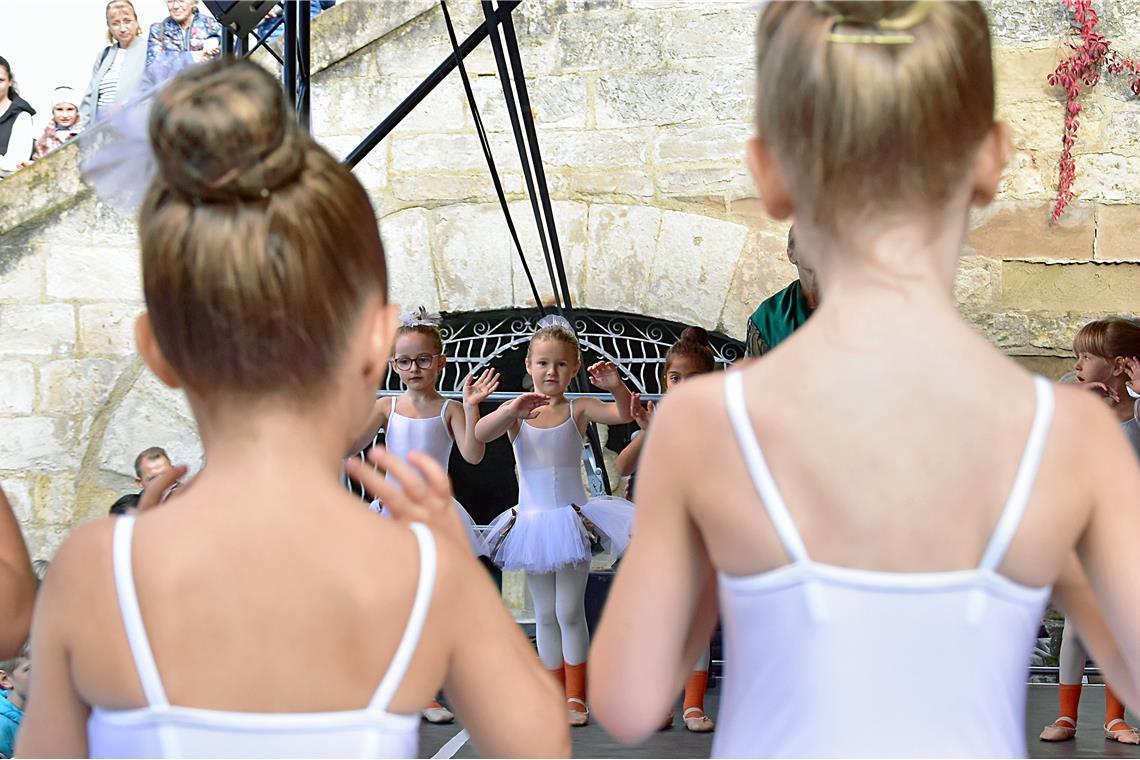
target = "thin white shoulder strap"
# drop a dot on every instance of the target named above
(758, 467)
(443, 417)
(1026, 476)
(132, 616)
(393, 410)
(420, 605)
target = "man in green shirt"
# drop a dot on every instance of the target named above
(782, 314)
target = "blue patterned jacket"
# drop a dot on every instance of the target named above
(167, 36)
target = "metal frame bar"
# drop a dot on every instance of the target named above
(361, 151)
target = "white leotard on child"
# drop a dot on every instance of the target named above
(548, 532)
(826, 661)
(164, 730)
(432, 436)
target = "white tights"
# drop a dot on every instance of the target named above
(1073, 657)
(560, 614)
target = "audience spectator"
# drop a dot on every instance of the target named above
(14, 676)
(64, 125)
(126, 505)
(785, 312)
(16, 135)
(273, 30)
(17, 583)
(185, 30)
(149, 464)
(119, 67)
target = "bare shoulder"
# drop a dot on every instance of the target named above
(688, 422)
(81, 569)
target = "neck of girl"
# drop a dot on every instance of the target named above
(423, 396)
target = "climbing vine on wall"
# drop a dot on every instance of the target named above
(1092, 53)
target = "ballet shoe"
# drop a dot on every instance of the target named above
(1119, 731)
(1061, 730)
(697, 721)
(437, 713)
(577, 712)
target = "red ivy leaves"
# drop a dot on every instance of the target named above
(1091, 52)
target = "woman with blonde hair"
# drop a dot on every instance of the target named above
(883, 543)
(119, 67)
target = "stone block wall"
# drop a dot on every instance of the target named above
(642, 109)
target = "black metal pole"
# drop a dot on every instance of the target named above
(228, 48)
(304, 17)
(242, 46)
(289, 68)
(382, 130)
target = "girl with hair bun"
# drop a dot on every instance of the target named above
(690, 356)
(556, 527)
(864, 531)
(266, 294)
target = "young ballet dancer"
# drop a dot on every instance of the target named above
(421, 419)
(690, 356)
(855, 515)
(1106, 351)
(551, 533)
(266, 295)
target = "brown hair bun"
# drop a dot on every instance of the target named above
(223, 135)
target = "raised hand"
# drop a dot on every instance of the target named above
(525, 407)
(605, 375)
(641, 414)
(418, 492)
(162, 487)
(1102, 390)
(1132, 369)
(476, 391)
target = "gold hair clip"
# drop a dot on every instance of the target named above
(896, 27)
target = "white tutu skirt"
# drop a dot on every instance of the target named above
(474, 535)
(543, 540)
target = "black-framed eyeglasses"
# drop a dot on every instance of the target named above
(423, 361)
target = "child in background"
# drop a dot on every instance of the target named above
(1106, 363)
(14, 677)
(429, 422)
(552, 532)
(421, 419)
(65, 123)
(691, 355)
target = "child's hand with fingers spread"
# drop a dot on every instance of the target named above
(1132, 369)
(476, 391)
(162, 487)
(605, 375)
(418, 492)
(525, 406)
(641, 414)
(1102, 390)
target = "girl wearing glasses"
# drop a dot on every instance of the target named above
(421, 419)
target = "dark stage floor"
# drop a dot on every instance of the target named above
(591, 741)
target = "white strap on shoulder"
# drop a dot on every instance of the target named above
(132, 616)
(393, 411)
(1026, 476)
(411, 638)
(758, 468)
(443, 418)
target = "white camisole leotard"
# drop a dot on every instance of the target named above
(161, 729)
(825, 661)
(432, 436)
(544, 531)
